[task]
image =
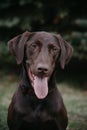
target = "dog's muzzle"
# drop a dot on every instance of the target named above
(39, 84)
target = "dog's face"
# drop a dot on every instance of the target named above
(41, 50)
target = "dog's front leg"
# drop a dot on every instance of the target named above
(15, 122)
(61, 120)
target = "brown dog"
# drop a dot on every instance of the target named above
(37, 103)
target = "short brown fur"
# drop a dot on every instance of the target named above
(40, 52)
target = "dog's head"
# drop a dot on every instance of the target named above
(40, 51)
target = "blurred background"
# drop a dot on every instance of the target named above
(66, 17)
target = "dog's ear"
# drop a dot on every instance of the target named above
(16, 46)
(66, 51)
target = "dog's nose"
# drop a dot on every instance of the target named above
(42, 68)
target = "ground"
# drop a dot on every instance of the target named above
(75, 100)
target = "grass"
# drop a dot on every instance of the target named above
(76, 104)
(75, 100)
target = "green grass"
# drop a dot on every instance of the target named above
(75, 100)
(7, 87)
(76, 104)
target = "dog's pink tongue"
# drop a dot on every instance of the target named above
(40, 87)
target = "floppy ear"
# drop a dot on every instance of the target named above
(16, 46)
(66, 51)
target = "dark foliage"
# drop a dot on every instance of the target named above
(69, 18)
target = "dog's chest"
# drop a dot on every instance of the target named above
(39, 112)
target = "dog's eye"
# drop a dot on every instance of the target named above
(54, 49)
(33, 46)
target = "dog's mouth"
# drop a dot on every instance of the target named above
(39, 84)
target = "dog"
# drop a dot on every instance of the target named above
(37, 103)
